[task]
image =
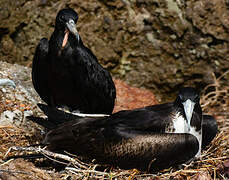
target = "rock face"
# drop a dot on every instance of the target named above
(158, 44)
(17, 103)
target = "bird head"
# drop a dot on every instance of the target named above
(188, 99)
(66, 20)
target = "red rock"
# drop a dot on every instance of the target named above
(131, 97)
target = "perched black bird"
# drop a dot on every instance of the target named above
(149, 138)
(66, 73)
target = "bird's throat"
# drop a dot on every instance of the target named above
(65, 40)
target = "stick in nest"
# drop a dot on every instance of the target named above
(79, 166)
(48, 154)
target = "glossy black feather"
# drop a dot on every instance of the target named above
(209, 130)
(122, 146)
(40, 67)
(71, 75)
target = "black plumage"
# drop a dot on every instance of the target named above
(142, 138)
(66, 73)
(209, 130)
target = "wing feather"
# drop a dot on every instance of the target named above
(40, 70)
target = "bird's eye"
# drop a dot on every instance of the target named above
(62, 18)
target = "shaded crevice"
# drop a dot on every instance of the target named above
(215, 41)
(147, 22)
(197, 76)
(3, 31)
(18, 29)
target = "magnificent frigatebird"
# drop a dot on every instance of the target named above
(149, 138)
(66, 73)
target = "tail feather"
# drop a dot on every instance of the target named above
(43, 122)
(57, 116)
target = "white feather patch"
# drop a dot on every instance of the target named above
(180, 126)
(90, 115)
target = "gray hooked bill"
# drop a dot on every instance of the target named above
(72, 28)
(188, 109)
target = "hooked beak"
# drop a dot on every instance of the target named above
(188, 109)
(72, 28)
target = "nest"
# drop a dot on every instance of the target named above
(214, 163)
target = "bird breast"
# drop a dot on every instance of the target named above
(178, 124)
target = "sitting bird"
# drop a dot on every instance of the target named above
(149, 138)
(65, 73)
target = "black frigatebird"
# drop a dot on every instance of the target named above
(149, 138)
(66, 73)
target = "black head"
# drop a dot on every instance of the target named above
(188, 93)
(187, 102)
(64, 17)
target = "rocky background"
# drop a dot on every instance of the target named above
(157, 44)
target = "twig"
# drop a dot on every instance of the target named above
(6, 162)
(6, 127)
(214, 159)
(47, 153)
(55, 160)
(16, 172)
(87, 171)
(76, 158)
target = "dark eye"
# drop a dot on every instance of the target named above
(62, 18)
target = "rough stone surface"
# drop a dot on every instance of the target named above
(158, 44)
(19, 102)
